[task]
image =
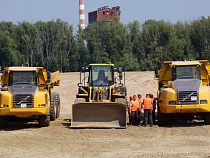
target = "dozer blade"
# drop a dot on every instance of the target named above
(98, 115)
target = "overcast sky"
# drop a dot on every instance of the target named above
(68, 10)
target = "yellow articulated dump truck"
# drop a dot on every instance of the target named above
(183, 91)
(26, 91)
(102, 102)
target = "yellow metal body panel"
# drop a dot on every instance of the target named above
(40, 97)
(169, 94)
(6, 98)
(196, 108)
(24, 112)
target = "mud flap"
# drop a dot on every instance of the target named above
(98, 115)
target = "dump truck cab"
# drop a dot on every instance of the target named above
(26, 91)
(183, 91)
(102, 101)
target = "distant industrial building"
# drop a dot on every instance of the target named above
(104, 13)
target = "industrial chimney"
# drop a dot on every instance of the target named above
(82, 14)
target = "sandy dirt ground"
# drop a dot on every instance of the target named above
(58, 140)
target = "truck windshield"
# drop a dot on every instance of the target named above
(101, 75)
(23, 77)
(189, 71)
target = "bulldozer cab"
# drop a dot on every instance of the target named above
(101, 75)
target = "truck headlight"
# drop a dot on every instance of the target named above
(3, 106)
(172, 103)
(203, 102)
(79, 84)
(120, 84)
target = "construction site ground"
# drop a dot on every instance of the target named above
(59, 140)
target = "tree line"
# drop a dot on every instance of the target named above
(54, 45)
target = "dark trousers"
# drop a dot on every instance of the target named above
(134, 119)
(139, 118)
(129, 115)
(153, 115)
(148, 114)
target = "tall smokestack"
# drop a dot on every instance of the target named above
(82, 14)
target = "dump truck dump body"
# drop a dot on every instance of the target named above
(98, 115)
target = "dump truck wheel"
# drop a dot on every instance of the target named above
(3, 122)
(57, 105)
(79, 100)
(207, 119)
(44, 120)
(163, 119)
(121, 101)
(52, 108)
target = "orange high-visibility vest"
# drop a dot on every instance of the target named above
(134, 105)
(148, 104)
(139, 101)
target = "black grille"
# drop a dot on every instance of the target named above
(187, 97)
(23, 101)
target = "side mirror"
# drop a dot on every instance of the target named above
(120, 70)
(156, 72)
(120, 76)
(83, 69)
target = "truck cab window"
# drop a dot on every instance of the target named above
(26, 77)
(181, 72)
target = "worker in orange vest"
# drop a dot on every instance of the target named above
(129, 109)
(148, 106)
(134, 109)
(139, 109)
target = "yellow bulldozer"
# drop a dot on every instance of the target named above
(26, 92)
(183, 91)
(102, 102)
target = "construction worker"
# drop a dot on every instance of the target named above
(154, 108)
(134, 108)
(148, 106)
(129, 104)
(139, 109)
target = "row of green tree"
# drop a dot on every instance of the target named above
(135, 46)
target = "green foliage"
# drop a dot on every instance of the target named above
(135, 46)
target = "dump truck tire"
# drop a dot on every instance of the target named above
(57, 105)
(44, 121)
(121, 101)
(79, 100)
(3, 122)
(207, 119)
(52, 107)
(163, 119)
